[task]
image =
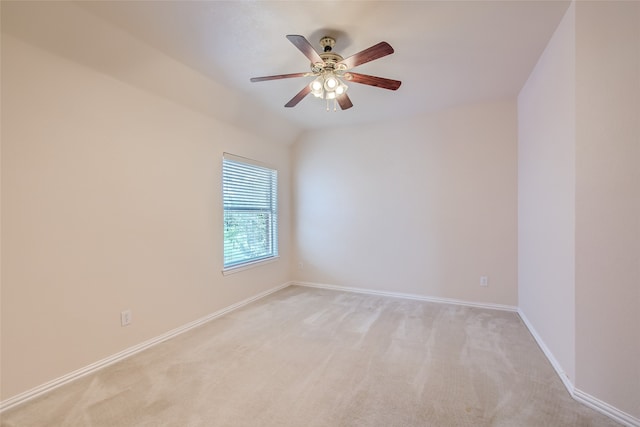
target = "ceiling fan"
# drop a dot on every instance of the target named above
(330, 69)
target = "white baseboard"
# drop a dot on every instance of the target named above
(72, 376)
(554, 362)
(580, 396)
(408, 296)
(605, 409)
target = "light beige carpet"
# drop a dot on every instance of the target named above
(312, 357)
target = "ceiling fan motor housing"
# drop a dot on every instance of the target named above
(329, 58)
(327, 55)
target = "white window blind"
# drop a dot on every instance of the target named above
(250, 196)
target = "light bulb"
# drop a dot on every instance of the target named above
(341, 89)
(316, 85)
(330, 83)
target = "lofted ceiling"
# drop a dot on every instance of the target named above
(447, 53)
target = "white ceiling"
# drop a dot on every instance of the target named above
(447, 53)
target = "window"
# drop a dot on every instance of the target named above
(250, 198)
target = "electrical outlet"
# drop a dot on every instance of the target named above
(484, 280)
(300, 265)
(125, 318)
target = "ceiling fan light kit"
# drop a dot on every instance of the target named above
(330, 70)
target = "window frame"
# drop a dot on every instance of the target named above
(245, 207)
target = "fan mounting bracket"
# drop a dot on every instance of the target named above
(327, 43)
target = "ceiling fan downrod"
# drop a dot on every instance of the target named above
(327, 43)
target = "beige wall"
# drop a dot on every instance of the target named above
(583, 301)
(111, 200)
(546, 196)
(608, 202)
(423, 206)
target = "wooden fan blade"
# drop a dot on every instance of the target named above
(299, 96)
(373, 81)
(278, 76)
(344, 101)
(305, 47)
(374, 52)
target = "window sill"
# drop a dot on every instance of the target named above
(239, 268)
